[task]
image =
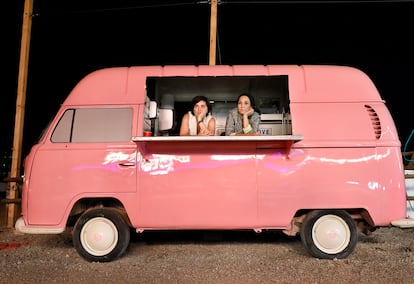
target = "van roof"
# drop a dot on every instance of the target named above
(307, 83)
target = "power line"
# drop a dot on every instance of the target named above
(126, 8)
(230, 2)
(315, 2)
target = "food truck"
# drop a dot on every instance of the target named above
(326, 166)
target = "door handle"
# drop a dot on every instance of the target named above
(127, 164)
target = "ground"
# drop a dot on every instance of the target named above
(386, 256)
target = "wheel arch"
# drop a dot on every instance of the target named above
(361, 216)
(85, 204)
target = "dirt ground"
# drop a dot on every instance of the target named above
(386, 256)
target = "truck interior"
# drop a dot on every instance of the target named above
(173, 97)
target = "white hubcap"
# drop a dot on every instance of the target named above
(331, 234)
(99, 236)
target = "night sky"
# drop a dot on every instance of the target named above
(73, 38)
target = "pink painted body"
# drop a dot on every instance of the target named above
(343, 152)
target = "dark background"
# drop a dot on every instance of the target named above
(70, 39)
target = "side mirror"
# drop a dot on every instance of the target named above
(152, 111)
(165, 119)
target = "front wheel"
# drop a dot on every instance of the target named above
(329, 234)
(101, 235)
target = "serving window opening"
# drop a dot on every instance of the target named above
(173, 96)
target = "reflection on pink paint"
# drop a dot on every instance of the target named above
(115, 157)
(162, 164)
(111, 161)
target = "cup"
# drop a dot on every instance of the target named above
(147, 133)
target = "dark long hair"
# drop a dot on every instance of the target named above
(252, 102)
(197, 99)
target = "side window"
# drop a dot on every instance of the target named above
(62, 131)
(94, 125)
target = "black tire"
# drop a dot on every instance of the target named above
(101, 235)
(329, 234)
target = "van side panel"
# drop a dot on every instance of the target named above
(314, 178)
(391, 185)
(332, 124)
(61, 173)
(351, 151)
(197, 185)
(336, 84)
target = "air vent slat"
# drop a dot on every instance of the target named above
(376, 123)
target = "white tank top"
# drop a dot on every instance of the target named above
(192, 123)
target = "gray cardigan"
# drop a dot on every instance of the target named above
(234, 122)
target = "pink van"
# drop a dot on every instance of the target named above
(327, 166)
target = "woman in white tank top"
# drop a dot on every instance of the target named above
(199, 120)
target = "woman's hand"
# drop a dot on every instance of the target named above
(200, 117)
(249, 113)
(245, 117)
(202, 130)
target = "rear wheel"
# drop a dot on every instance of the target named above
(101, 235)
(329, 234)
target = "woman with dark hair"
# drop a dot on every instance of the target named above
(199, 120)
(245, 118)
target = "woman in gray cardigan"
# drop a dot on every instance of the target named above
(245, 118)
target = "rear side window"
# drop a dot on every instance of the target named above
(94, 125)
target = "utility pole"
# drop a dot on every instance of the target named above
(12, 196)
(213, 32)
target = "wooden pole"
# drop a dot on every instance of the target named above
(19, 118)
(213, 32)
